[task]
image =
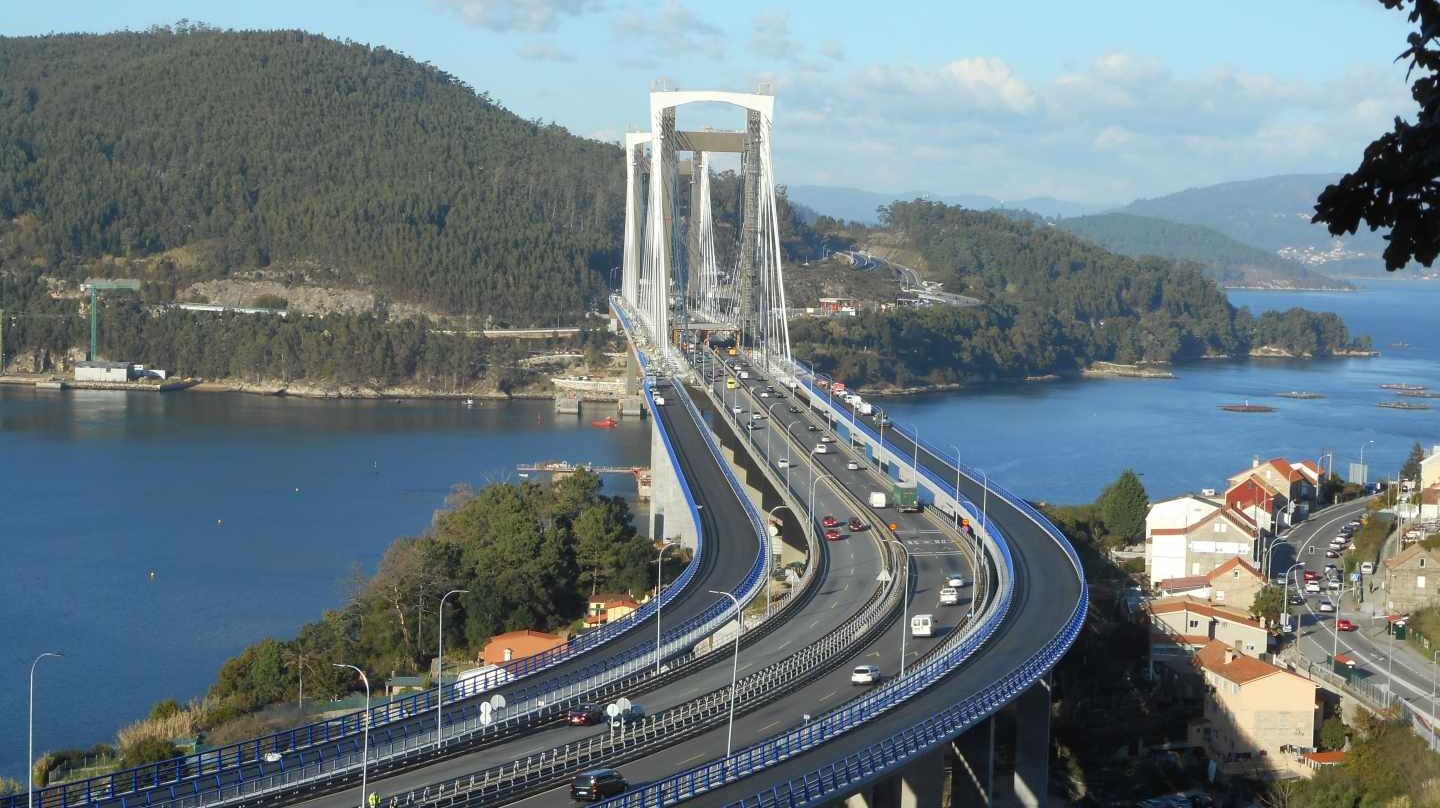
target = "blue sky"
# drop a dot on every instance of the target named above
(1097, 102)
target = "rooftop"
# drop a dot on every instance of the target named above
(1226, 662)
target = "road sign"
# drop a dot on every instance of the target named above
(497, 702)
(487, 714)
(623, 703)
(1354, 577)
(612, 709)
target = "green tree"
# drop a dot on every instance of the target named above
(1268, 605)
(1123, 507)
(1411, 469)
(148, 750)
(164, 709)
(1394, 185)
(1333, 733)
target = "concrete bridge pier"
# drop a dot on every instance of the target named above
(1032, 745)
(669, 515)
(972, 771)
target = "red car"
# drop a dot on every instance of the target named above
(1344, 625)
(832, 535)
(1311, 575)
(828, 521)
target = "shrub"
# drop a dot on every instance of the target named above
(9, 786)
(144, 750)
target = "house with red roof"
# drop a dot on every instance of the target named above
(1254, 713)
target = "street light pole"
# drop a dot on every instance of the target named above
(365, 742)
(1266, 565)
(814, 480)
(1286, 594)
(734, 671)
(30, 750)
(659, 576)
(1363, 469)
(440, 667)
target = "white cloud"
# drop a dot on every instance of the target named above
(544, 52)
(517, 15)
(674, 29)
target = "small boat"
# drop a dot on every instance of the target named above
(1247, 407)
(1402, 345)
(1402, 387)
(1403, 405)
(1303, 395)
(469, 402)
(605, 423)
(524, 474)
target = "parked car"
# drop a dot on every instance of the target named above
(832, 535)
(584, 715)
(855, 524)
(865, 675)
(811, 428)
(828, 521)
(949, 596)
(597, 784)
(1326, 605)
(1332, 553)
(852, 465)
(1344, 625)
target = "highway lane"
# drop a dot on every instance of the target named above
(849, 582)
(934, 559)
(732, 547)
(1047, 590)
(1407, 675)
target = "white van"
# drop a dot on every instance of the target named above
(1367, 568)
(922, 625)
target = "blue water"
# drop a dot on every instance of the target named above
(250, 511)
(1064, 441)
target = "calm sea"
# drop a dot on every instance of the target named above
(250, 510)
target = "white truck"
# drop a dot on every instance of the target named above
(922, 625)
(866, 408)
(877, 499)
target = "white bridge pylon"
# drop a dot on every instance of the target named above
(671, 276)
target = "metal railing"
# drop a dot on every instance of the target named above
(469, 724)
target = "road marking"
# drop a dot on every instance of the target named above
(769, 725)
(827, 696)
(693, 757)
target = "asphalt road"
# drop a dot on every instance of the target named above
(1046, 592)
(1406, 674)
(850, 579)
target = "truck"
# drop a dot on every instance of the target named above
(877, 499)
(866, 408)
(905, 497)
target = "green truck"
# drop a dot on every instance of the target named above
(905, 498)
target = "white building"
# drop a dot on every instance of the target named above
(102, 371)
(1191, 536)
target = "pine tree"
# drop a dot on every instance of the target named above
(1123, 507)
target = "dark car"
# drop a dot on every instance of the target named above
(597, 784)
(812, 428)
(585, 714)
(855, 524)
(1295, 600)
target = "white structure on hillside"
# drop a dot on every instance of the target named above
(1191, 535)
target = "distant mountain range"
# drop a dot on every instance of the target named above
(856, 205)
(1228, 261)
(1269, 216)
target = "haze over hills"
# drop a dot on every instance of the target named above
(1226, 260)
(861, 206)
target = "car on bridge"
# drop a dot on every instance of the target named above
(954, 579)
(1295, 599)
(949, 596)
(782, 463)
(811, 428)
(852, 465)
(794, 410)
(1311, 575)
(865, 675)
(821, 448)
(597, 784)
(584, 715)
(826, 439)
(855, 524)
(1326, 605)
(1344, 625)
(828, 521)
(832, 535)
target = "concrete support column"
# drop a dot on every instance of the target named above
(922, 783)
(1032, 745)
(669, 515)
(973, 773)
(860, 799)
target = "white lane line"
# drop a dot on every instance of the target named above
(826, 697)
(769, 725)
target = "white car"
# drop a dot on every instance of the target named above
(764, 393)
(1312, 587)
(949, 596)
(1367, 568)
(955, 579)
(821, 448)
(865, 675)
(827, 439)
(1326, 605)
(737, 410)
(852, 465)
(782, 463)
(755, 416)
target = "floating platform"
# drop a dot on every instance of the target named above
(1247, 407)
(1403, 405)
(1404, 388)
(1302, 395)
(1420, 393)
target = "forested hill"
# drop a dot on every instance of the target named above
(303, 155)
(1226, 260)
(1054, 303)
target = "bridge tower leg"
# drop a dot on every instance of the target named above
(972, 775)
(922, 783)
(748, 287)
(669, 515)
(1032, 745)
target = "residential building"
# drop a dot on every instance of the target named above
(839, 305)
(1254, 709)
(1411, 579)
(1430, 469)
(518, 645)
(1280, 475)
(609, 607)
(1188, 623)
(1207, 538)
(1235, 583)
(1255, 499)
